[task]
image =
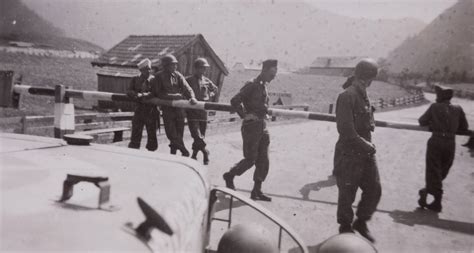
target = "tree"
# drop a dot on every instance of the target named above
(463, 77)
(454, 77)
(446, 74)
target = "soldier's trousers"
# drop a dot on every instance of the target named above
(256, 140)
(357, 172)
(197, 128)
(144, 116)
(439, 159)
(173, 119)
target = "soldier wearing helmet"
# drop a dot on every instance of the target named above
(251, 103)
(171, 85)
(204, 89)
(145, 114)
(354, 157)
(444, 120)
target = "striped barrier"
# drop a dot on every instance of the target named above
(273, 112)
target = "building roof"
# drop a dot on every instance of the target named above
(134, 48)
(117, 71)
(336, 62)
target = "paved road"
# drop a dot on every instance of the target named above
(301, 160)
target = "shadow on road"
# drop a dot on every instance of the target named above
(306, 189)
(223, 203)
(429, 218)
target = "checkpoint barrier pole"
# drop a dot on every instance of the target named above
(107, 96)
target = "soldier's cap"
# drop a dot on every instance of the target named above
(144, 63)
(168, 59)
(443, 93)
(269, 63)
(201, 62)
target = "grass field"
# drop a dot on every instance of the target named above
(47, 72)
(462, 86)
(316, 91)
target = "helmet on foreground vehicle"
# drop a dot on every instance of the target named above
(346, 243)
(248, 238)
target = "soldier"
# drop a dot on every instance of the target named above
(444, 120)
(354, 159)
(145, 114)
(203, 89)
(171, 85)
(255, 135)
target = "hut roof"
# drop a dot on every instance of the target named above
(134, 48)
(118, 71)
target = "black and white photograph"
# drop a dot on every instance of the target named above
(237, 126)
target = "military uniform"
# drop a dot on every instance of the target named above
(354, 159)
(197, 119)
(444, 120)
(145, 114)
(251, 103)
(173, 86)
(255, 136)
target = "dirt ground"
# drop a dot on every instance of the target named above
(301, 158)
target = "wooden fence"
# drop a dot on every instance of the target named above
(44, 125)
(417, 98)
(396, 102)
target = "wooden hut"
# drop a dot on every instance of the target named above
(117, 66)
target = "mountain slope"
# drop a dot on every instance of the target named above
(19, 23)
(447, 41)
(291, 31)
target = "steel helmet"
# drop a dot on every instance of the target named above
(168, 59)
(245, 239)
(201, 62)
(345, 243)
(366, 69)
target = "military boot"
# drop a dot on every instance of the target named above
(205, 154)
(194, 155)
(173, 151)
(435, 206)
(229, 180)
(361, 227)
(422, 200)
(257, 193)
(184, 152)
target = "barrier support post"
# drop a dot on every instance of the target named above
(64, 122)
(6, 88)
(331, 108)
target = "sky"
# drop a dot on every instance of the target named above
(424, 10)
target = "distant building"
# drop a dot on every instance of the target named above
(117, 66)
(252, 66)
(334, 66)
(256, 67)
(20, 44)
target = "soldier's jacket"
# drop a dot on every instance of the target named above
(355, 122)
(202, 87)
(171, 86)
(254, 98)
(140, 84)
(444, 119)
